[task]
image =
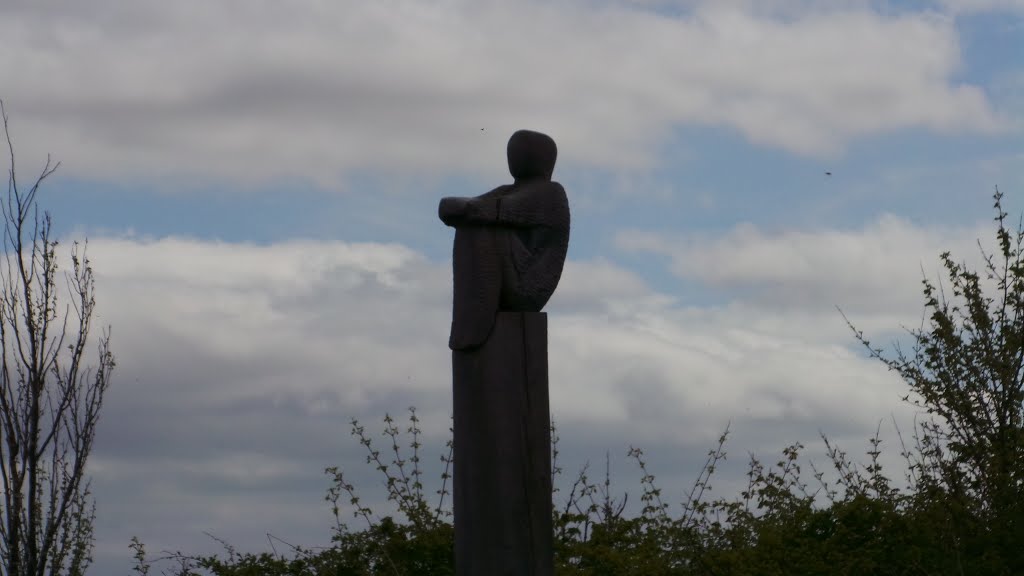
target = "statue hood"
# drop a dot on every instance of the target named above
(531, 155)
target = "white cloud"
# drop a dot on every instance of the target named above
(260, 90)
(875, 270)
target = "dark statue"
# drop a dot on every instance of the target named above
(510, 243)
(510, 247)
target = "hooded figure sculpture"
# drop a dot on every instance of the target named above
(510, 243)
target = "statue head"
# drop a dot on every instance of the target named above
(531, 155)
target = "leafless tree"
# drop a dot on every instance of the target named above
(50, 398)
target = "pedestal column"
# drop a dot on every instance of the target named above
(502, 451)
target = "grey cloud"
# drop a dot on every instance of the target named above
(317, 91)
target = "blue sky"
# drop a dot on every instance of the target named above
(259, 186)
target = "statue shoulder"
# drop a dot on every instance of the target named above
(560, 197)
(541, 187)
(502, 190)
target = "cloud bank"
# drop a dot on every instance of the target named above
(257, 91)
(240, 365)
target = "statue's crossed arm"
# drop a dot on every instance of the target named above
(526, 205)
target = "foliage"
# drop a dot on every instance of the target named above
(960, 511)
(49, 398)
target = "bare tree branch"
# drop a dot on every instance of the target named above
(50, 399)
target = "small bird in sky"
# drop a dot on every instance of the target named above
(828, 173)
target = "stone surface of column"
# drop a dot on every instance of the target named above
(502, 476)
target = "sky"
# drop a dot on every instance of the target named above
(258, 183)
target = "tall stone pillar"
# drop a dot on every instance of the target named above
(502, 445)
